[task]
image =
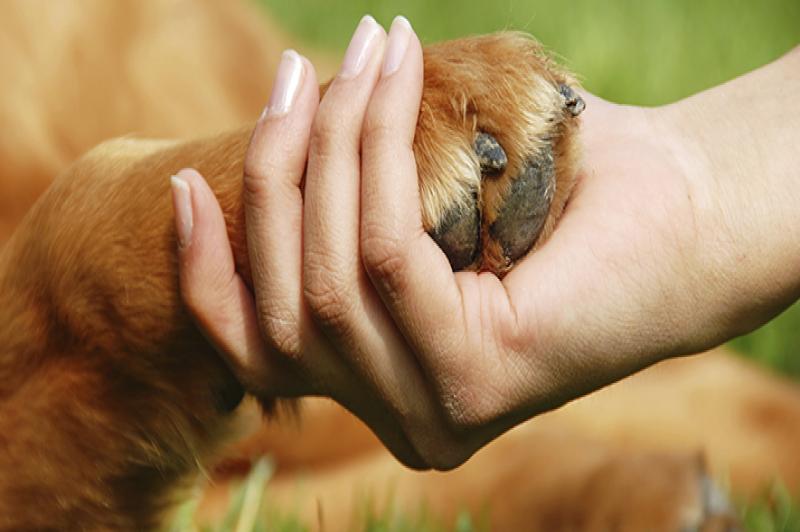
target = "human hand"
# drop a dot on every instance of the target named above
(299, 238)
(623, 283)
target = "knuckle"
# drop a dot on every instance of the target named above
(382, 255)
(445, 457)
(255, 189)
(327, 134)
(328, 296)
(375, 126)
(438, 445)
(266, 174)
(281, 332)
(468, 407)
(449, 460)
(457, 412)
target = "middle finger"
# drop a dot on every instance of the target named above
(336, 287)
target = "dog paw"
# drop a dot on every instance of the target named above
(495, 148)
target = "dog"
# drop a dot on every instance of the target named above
(111, 396)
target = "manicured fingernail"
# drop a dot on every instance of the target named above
(361, 48)
(399, 37)
(287, 83)
(182, 204)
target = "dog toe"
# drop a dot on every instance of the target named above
(458, 235)
(521, 217)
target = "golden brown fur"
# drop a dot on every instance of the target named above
(110, 397)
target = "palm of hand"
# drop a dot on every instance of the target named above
(621, 259)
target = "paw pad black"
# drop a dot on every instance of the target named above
(527, 203)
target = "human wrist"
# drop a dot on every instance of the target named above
(735, 145)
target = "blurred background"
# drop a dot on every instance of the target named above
(627, 51)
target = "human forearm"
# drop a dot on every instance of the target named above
(739, 142)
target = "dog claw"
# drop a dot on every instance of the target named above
(573, 102)
(491, 155)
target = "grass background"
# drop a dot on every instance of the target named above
(637, 52)
(628, 51)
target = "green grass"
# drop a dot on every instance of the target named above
(627, 50)
(250, 511)
(776, 511)
(630, 51)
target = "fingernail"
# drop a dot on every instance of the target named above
(287, 83)
(182, 204)
(399, 37)
(361, 48)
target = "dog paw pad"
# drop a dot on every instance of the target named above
(458, 235)
(521, 217)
